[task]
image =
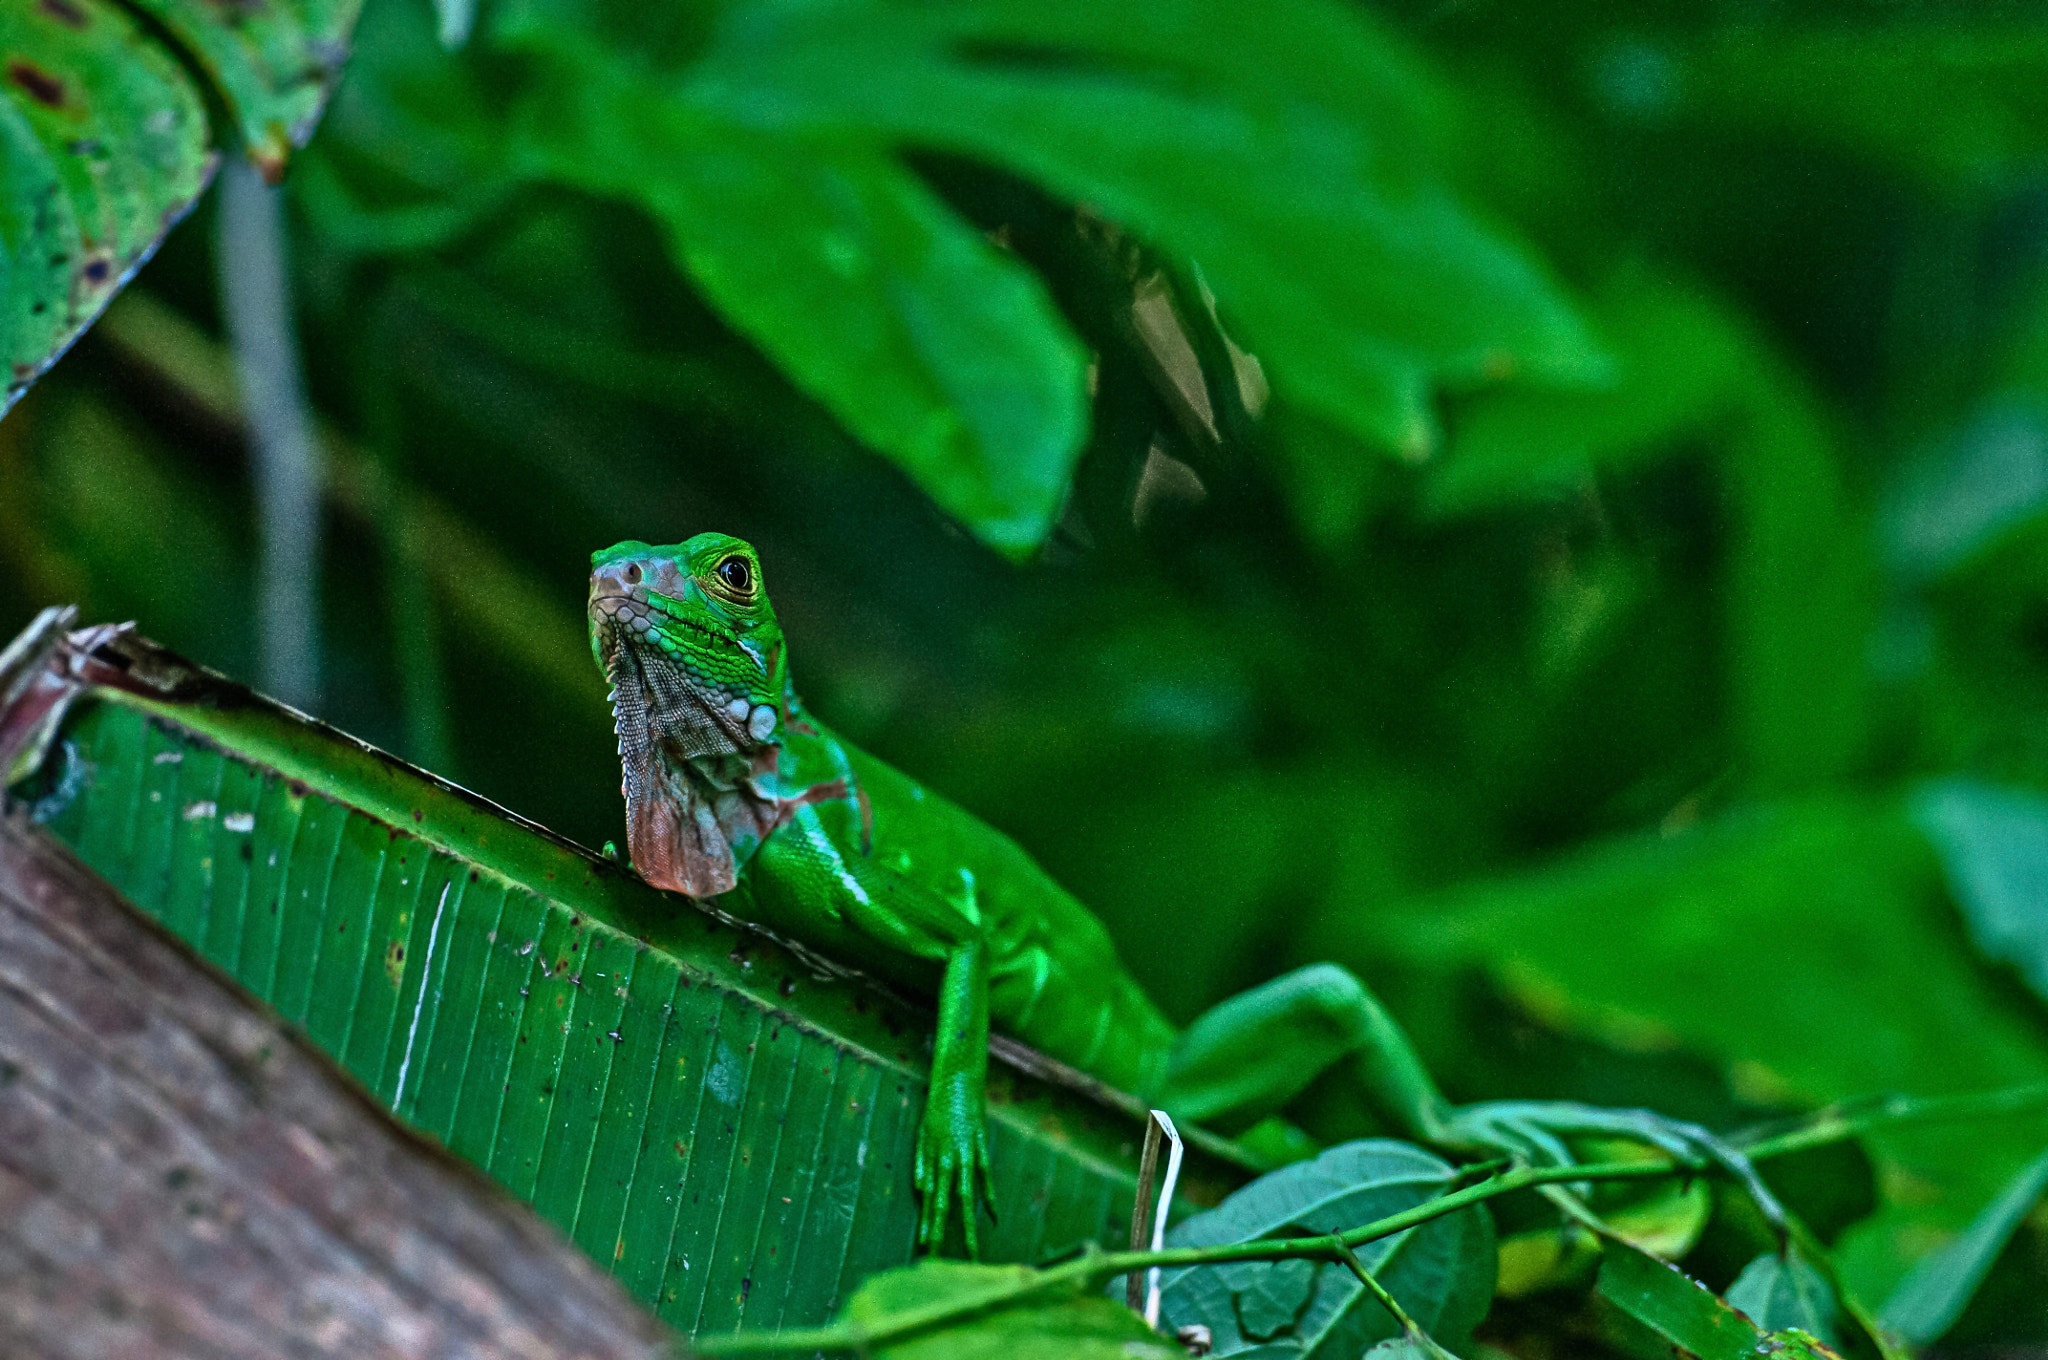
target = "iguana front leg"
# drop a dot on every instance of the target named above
(952, 1141)
(1251, 1054)
(808, 871)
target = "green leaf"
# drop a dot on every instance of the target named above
(1664, 1218)
(1678, 1308)
(1690, 372)
(1967, 492)
(1816, 962)
(996, 1313)
(1409, 1348)
(1994, 846)
(1329, 475)
(1786, 1291)
(103, 141)
(102, 149)
(274, 63)
(1082, 1327)
(929, 343)
(1794, 1343)
(1288, 153)
(1441, 1273)
(1961, 105)
(725, 1130)
(1930, 1299)
(412, 150)
(1681, 362)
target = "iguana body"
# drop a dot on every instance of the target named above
(734, 791)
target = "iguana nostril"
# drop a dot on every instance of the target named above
(632, 573)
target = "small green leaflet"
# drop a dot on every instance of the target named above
(1065, 1326)
(1786, 1291)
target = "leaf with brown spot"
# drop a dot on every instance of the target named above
(102, 147)
(104, 144)
(275, 62)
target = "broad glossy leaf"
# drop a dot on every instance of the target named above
(1930, 1300)
(274, 63)
(724, 1129)
(1786, 1291)
(1994, 846)
(1286, 151)
(925, 340)
(102, 149)
(1441, 1272)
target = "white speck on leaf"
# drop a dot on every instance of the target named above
(725, 1081)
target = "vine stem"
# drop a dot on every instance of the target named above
(1097, 1268)
(1838, 1123)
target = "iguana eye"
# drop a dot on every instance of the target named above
(736, 575)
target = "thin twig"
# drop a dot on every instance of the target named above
(1376, 1289)
(1141, 1211)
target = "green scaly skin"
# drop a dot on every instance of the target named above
(734, 792)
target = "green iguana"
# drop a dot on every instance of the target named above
(734, 791)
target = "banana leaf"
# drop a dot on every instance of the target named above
(724, 1121)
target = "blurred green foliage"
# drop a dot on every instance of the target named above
(1521, 503)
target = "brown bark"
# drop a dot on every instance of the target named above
(180, 1176)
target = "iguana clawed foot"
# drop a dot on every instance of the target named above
(1535, 1131)
(952, 1169)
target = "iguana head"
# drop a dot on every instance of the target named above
(700, 698)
